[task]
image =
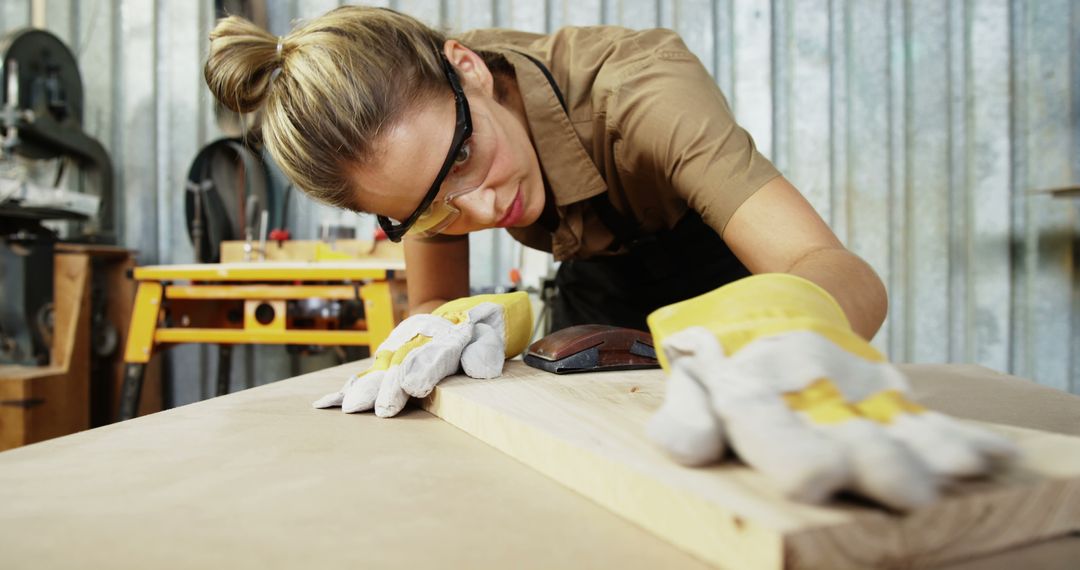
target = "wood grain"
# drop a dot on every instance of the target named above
(586, 431)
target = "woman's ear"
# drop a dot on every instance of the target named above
(470, 67)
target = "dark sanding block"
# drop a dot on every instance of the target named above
(592, 348)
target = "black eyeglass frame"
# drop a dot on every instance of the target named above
(462, 132)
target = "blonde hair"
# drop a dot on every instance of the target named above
(334, 84)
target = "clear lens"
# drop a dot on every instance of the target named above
(437, 218)
(463, 178)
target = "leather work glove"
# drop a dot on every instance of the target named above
(476, 334)
(770, 365)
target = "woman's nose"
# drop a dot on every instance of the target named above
(478, 206)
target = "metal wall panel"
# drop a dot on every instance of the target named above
(14, 14)
(983, 195)
(917, 128)
(1043, 111)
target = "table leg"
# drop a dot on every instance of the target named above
(132, 391)
(378, 312)
(224, 368)
(140, 346)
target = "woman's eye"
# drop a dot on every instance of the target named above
(462, 155)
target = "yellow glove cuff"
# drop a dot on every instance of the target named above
(517, 316)
(759, 306)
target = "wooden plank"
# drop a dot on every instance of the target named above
(247, 336)
(586, 431)
(302, 250)
(17, 372)
(70, 296)
(271, 271)
(95, 250)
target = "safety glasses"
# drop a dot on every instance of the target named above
(462, 132)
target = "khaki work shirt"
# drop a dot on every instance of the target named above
(645, 123)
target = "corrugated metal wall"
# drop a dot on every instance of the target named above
(917, 128)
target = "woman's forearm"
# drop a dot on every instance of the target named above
(852, 282)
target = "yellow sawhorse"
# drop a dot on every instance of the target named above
(263, 289)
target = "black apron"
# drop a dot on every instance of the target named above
(655, 270)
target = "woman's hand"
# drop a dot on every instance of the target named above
(769, 365)
(474, 333)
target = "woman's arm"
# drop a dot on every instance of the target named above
(777, 230)
(436, 272)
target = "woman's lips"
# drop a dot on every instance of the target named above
(513, 214)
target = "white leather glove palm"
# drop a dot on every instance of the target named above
(476, 334)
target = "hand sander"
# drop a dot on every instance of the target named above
(592, 348)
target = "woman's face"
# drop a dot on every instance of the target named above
(509, 190)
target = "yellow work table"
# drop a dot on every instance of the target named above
(259, 479)
(246, 303)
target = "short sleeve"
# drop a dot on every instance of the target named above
(673, 128)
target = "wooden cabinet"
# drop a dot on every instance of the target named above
(39, 403)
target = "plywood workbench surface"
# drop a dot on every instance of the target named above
(259, 479)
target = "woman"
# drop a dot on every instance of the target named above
(613, 149)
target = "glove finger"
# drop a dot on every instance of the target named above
(769, 437)
(391, 399)
(331, 400)
(360, 396)
(944, 453)
(427, 365)
(951, 448)
(353, 398)
(484, 356)
(991, 445)
(334, 399)
(766, 434)
(883, 469)
(685, 426)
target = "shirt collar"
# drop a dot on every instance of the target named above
(570, 171)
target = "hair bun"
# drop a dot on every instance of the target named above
(241, 63)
